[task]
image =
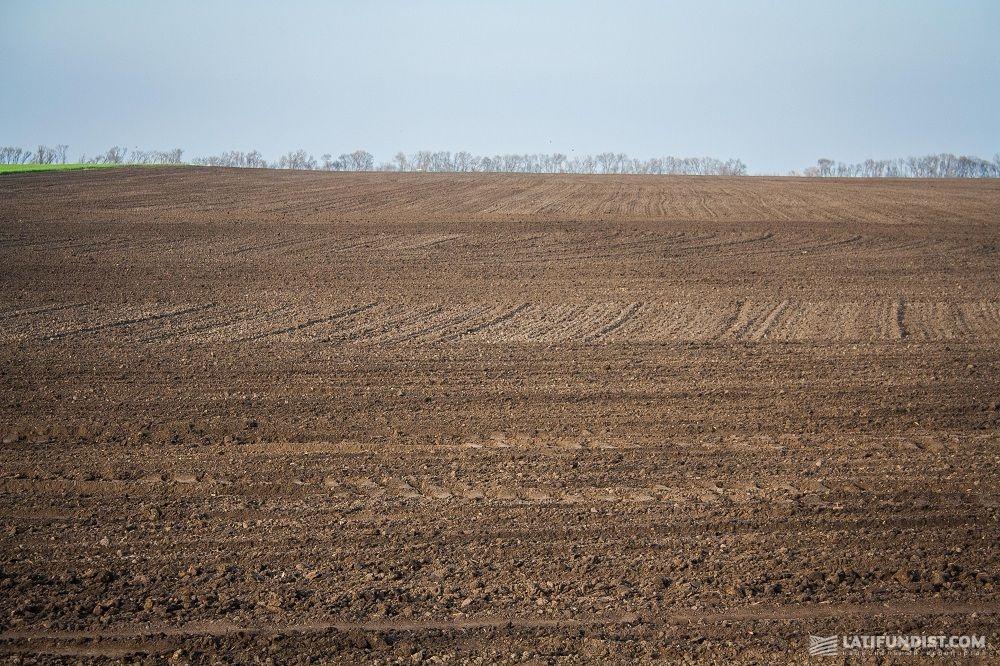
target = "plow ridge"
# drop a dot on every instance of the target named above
(611, 322)
(264, 247)
(123, 323)
(900, 313)
(309, 323)
(33, 312)
(490, 323)
(616, 323)
(769, 321)
(727, 243)
(734, 322)
(808, 248)
(131, 640)
(384, 323)
(215, 320)
(429, 489)
(447, 323)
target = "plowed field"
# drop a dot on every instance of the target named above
(252, 415)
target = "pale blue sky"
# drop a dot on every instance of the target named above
(777, 84)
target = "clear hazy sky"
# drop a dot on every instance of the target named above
(775, 83)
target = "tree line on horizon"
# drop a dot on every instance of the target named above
(942, 165)
(421, 160)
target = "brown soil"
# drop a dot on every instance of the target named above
(255, 415)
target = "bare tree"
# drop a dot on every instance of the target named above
(113, 155)
(362, 160)
(297, 159)
(14, 155)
